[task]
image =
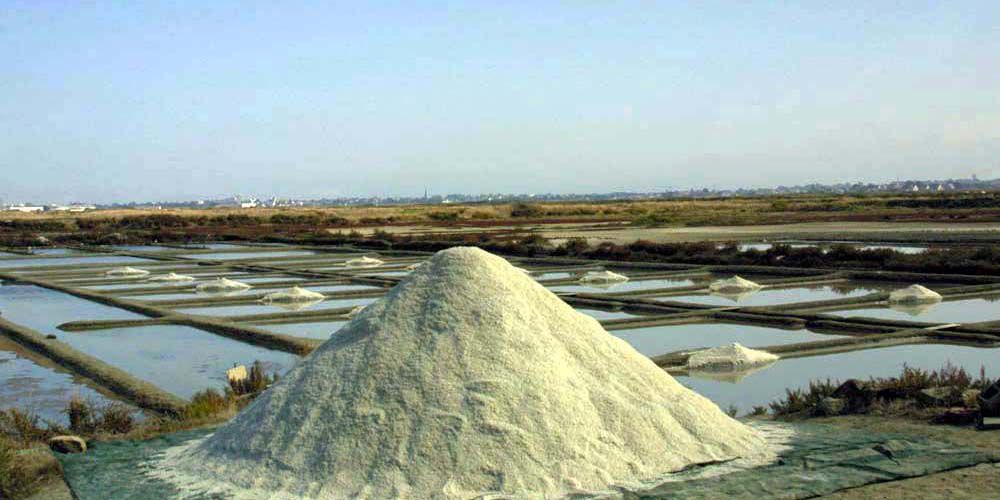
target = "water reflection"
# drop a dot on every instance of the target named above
(952, 311)
(178, 359)
(765, 386)
(656, 340)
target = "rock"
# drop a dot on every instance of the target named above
(856, 395)
(68, 444)
(957, 416)
(829, 407)
(938, 396)
(970, 398)
(989, 400)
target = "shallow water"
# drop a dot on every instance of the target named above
(245, 255)
(240, 310)
(65, 261)
(40, 388)
(601, 314)
(628, 286)
(320, 331)
(553, 275)
(656, 340)
(955, 311)
(141, 248)
(769, 384)
(179, 359)
(768, 297)
(55, 251)
(42, 309)
(904, 249)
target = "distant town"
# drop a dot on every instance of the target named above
(971, 184)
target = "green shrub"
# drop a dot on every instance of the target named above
(205, 404)
(255, 383)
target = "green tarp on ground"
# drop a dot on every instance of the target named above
(821, 459)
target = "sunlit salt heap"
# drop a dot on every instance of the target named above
(127, 272)
(171, 277)
(222, 285)
(293, 295)
(468, 377)
(914, 294)
(364, 261)
(733, 285)
(729, 357)
(603, 277)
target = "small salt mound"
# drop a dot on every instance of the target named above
(128, 272)
(364, 261)
(467, 378)
(914, 294)
(171, 277)
(734, 296)
(293, 295)
(355, 312)
(222, 285)
(728, 357)
(734, 284)
(603, 277)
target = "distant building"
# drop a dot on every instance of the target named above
(26, 208)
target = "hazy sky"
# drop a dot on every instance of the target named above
(104, 101)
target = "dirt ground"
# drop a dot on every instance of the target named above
(883, 231)
(979, 482)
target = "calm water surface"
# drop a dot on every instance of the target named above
(769, 384)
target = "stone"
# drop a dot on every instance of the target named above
(957, 416)
(938, 396)
(856, 395)
(829, 407)
(68, 444)
(970, 398)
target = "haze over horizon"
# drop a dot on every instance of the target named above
(112, 102)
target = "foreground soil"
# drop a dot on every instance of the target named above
(979, 482)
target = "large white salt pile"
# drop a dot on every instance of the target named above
(171, 277)
(914, 294)
(729, 357)
(364, 261)
(222, 285)
(734, 284)
(468, 377)
(126, 272)
(603, 277)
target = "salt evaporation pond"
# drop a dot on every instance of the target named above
(953, 311)
(628, 286)
(55, 251)
(179, 359)
(769, 384)
(141, 248)
(246, 255)
(43, 310)
(553, 275)
(601, 314)
(67, 261)
(657, 340)
(774, 296)
(904, 249)
(240, 310)
(321, 331)
(35, 385)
